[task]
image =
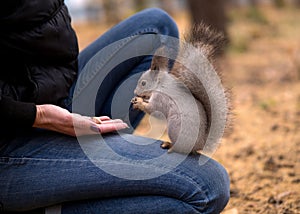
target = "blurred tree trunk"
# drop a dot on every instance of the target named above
(254, 3)
(140, 4)
(297, 3)
(234, 3)
(168, 6)
(111, 10)
(93, 10)
(279, 3)
(211, 12)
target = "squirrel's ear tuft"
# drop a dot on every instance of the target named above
(160, 62)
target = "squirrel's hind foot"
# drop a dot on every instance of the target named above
(166, 145)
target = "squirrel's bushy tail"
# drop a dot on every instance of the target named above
(208, 40)
(195, 67)
(201, 46)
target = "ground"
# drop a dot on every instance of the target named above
(262, 68)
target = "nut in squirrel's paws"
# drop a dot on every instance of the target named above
(138, 103)
(136, 100)
(144, 99)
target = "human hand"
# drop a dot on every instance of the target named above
(57, 119)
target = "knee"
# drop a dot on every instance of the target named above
(218, 188)
(219, 200)
(161, 20)
(208, 191)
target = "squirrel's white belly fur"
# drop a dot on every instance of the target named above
(186, 117)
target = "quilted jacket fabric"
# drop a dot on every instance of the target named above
(38, 55)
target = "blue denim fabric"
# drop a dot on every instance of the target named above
(150, 21)
(52, 169)
(43, 168)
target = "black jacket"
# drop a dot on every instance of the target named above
(38, 58)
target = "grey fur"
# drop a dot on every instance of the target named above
(180, 95)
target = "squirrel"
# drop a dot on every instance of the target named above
(191, 98)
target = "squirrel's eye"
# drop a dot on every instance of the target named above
(143, 83)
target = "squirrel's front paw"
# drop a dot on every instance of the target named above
(133, 100)
(138, 103)
(136, 100)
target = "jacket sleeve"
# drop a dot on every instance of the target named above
(16, 113)
(38, 57)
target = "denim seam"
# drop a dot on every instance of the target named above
(12, 160)
(22, 160)
(147, 30)
(175, 172)
(16, 160)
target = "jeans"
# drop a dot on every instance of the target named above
(47, 172)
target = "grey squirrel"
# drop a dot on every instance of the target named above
(190, 95)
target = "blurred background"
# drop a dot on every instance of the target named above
(261, 66)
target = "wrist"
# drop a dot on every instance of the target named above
(38, 116)
(49, 116)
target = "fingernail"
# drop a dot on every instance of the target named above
(118, 121)
(95, 128)
(125, 125)
(121, 126)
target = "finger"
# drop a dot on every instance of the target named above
(100, 119)
(96, 120)
(113, 121)
(105, 128)
(109, 127)
(103, 118)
